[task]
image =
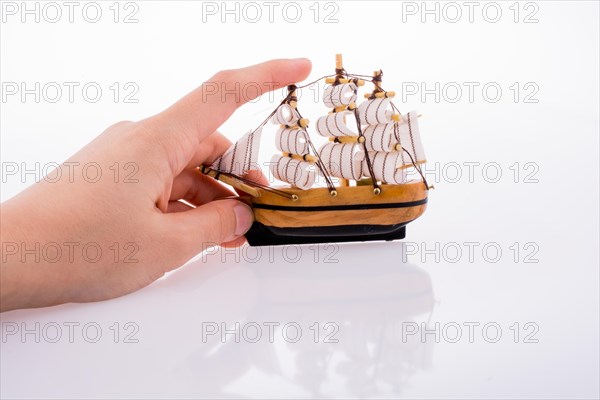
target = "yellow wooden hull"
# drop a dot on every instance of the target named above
(355, 214)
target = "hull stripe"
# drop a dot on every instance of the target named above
(342, 207)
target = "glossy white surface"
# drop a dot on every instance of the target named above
(369, 294)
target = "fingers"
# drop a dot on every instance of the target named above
(177, 206)
(196, 188)
(217, 222)
(211, 148)
(256, 175)
(234, 243)
(201, 112)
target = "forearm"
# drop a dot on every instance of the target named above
(26, 278)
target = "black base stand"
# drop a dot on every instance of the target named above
(261, 235)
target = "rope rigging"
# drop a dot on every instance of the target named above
(340, 73)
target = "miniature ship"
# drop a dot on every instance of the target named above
(372, 197)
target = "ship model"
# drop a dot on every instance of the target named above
(364, 168)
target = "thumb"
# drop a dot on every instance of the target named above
(213, 223)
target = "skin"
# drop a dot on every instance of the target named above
(142, 227)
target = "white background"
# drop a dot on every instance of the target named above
(372, 292)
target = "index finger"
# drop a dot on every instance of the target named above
(202, 111)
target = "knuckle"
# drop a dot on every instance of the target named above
(221, 226)
(120, 126)
(225, 225)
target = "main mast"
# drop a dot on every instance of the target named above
(341, 156)
(295, 164)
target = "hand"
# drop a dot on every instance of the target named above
(70, 239)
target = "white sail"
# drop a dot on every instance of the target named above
(294, 141)
(380, 137)
(242, 156)
(300, 174)
(385, 167)
(375, 111)
(342, 160)
(410, 139)
(334, 125)
(285, 115)
(340, 95)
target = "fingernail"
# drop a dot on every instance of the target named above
(243, 217)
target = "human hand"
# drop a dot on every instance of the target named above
(70, 239)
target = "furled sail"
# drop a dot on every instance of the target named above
(342, 160)
(380, 137)
(334, 125)
(410, 139)
(385, 166)
(242, 156)
(292, 141)
(301, 174)
(386, 138)
(375, 111)
(286, 115)
(340, 95)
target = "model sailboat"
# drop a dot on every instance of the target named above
(364, 165)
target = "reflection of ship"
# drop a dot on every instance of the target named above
(374, 198)
(369, 306)
(371, 359)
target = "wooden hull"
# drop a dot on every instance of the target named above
(355, 214)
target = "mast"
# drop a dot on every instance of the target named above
(295, 164)
(341, 155)
(392, 141)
